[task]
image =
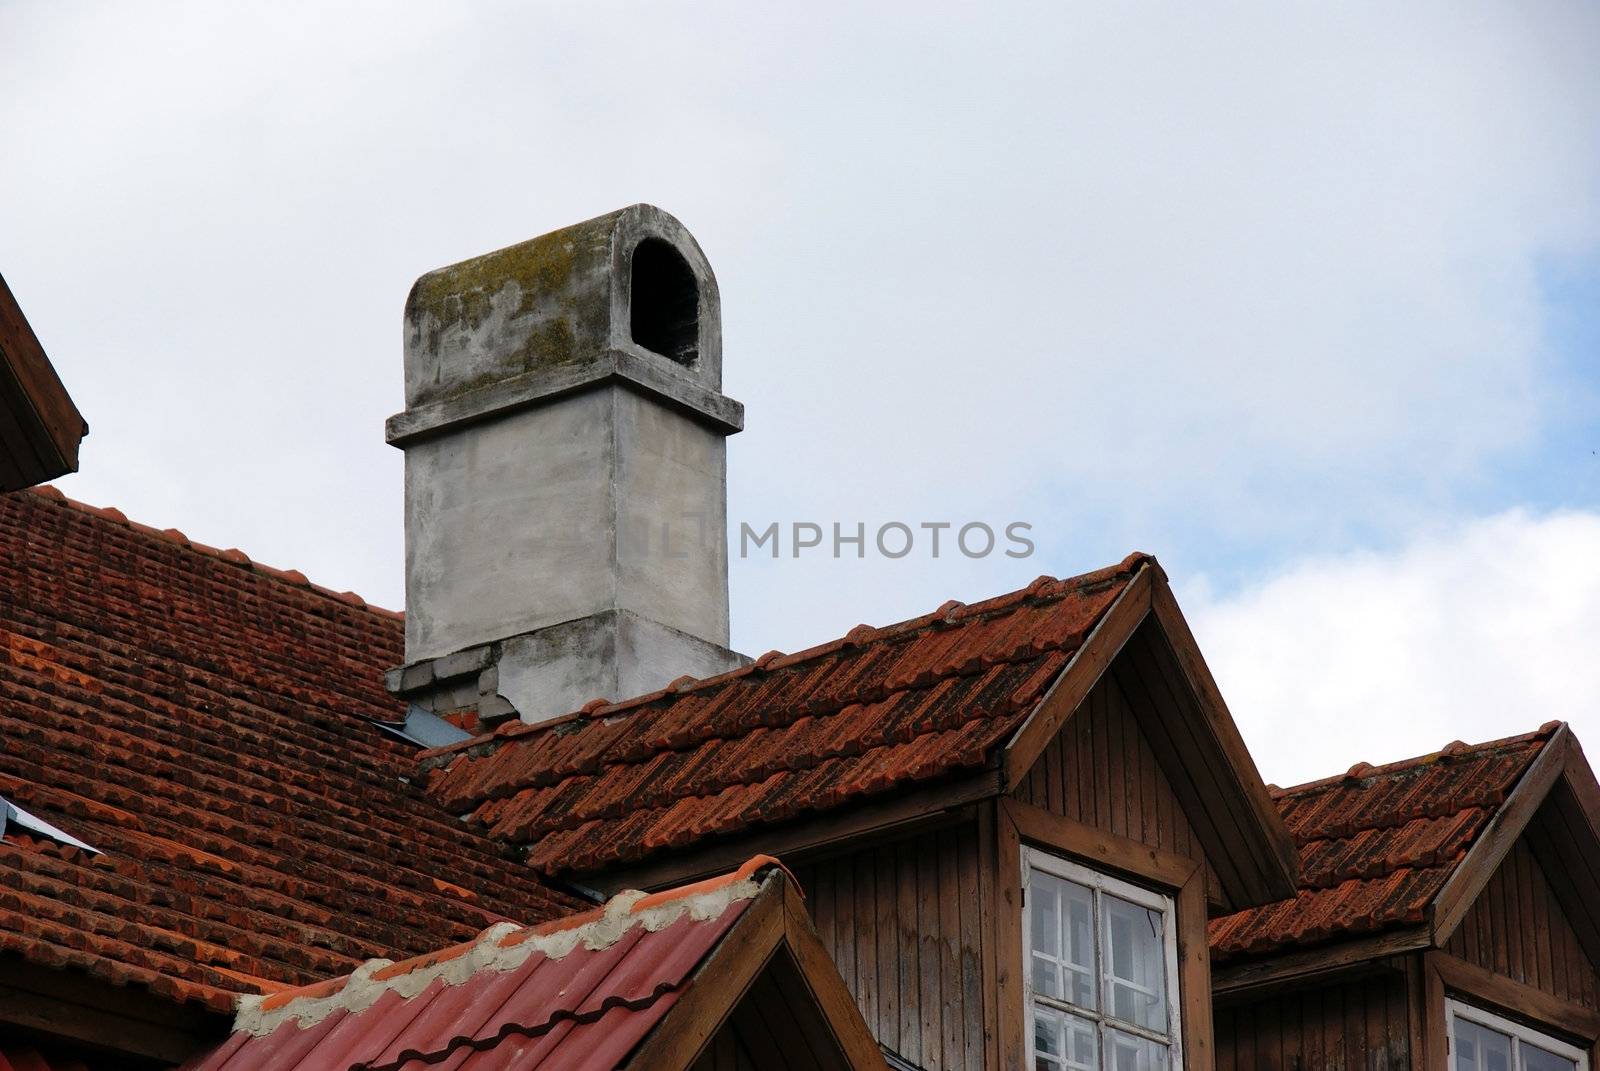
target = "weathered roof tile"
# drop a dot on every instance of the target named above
(875, 711)
(206, 723)
(1378, 843)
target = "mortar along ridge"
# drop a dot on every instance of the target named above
(502, 947)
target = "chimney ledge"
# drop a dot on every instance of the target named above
(633, 370)
(439, 683)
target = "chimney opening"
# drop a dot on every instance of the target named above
(665, 302)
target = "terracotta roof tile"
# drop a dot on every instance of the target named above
(206, 724)
(1378, 843)
(867, 714)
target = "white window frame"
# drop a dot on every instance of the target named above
(1516, 1031)
(1035, 859)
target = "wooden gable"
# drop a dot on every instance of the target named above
(1136, 739)
(1101, 770)
(1555, 812)
(1518, 928)
(767, 997)
(776, 1024)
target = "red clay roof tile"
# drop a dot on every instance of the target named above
(1378, 843)
(206, 724)
(871, 713)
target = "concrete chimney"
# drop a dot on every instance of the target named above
(566, 472)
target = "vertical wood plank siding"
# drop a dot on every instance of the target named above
(902, 923)
(726, 1053)
(1101, 770)
(1517, 929)
(1360, 1025)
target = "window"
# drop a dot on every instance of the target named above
(1102, 971)
(1481, 1041)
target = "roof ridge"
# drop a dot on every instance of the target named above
(950, 612)
(503, 947)
(1454, 751)
(233, 555)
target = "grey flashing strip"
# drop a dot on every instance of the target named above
(425, 729)
(11, 814)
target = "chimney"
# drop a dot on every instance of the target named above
(566, 472)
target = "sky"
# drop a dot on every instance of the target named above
(1303, 299)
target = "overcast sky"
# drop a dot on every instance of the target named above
(1304, 301)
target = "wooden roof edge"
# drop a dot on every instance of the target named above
(1580, 777)
(1248, 978)
(1279, 857)
(1082, 672)
(777, 921)
(41, 386)
(1510, 820)
(1148, 597)
(826, 833)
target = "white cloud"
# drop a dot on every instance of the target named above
(1486, 629)
(1258, 273)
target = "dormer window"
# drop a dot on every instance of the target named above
(1102, 970)
(1482, 1041)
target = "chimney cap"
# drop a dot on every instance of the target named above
(628, 289)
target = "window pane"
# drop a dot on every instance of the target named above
(1063, 1042)
(1537, 1059)
(1135, 964)
(1130, 1053)
(1062, 925)
(1480, 1049)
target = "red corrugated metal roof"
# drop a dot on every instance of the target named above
(204, 721)
(576, 994)
(1377, 844)
(874, 712)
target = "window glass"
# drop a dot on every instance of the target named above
(1063, 1042)
(1136, 965)
(1131, 1053)
(1537, 1059)
(1480, 1049)
(1063, 940)
(1497, 1044)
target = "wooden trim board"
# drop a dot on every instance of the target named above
(1450, 906)
(776, 933)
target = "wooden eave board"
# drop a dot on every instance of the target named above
(40, 427)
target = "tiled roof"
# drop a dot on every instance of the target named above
(876, 711)
(204, 722)
(1378, 843)
(578, 993)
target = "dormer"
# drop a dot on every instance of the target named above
(1012, 819)
(1448, 918)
